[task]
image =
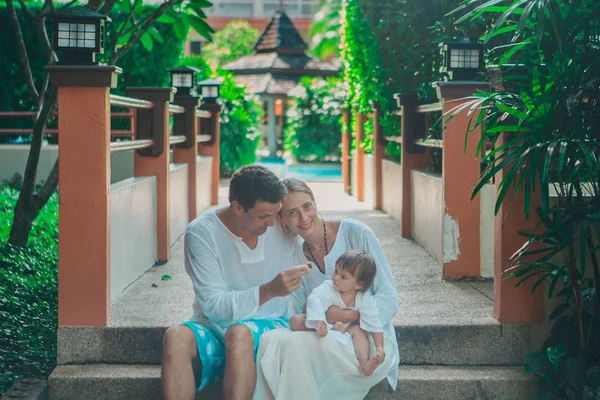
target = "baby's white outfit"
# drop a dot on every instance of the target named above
(325, 296)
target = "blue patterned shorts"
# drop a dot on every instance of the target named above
(211, 347)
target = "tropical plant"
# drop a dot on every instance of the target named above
(393, 46)
(544, 124)
(241, 118)
(137, 26)
(235, 40)
(325, 32)
(313, 126)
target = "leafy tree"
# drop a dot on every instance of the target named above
(138, 26)
(313, 127)
(325, 32)
(234, 41)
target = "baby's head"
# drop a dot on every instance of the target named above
(359, 266)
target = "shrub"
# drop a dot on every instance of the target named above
(313, 128)
(28, 295)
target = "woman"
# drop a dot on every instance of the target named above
(299, 365)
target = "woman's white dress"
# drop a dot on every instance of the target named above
(300, 365)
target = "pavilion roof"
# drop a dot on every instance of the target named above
(279, 60)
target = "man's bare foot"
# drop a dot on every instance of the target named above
(339, 326)
(369, 366)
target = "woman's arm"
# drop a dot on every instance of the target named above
(384, 288)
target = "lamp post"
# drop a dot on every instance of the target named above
(79, 35)
(183, 79)
(463, 59)
(209, 89)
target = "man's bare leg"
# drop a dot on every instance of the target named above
(179, 363)
(240, 370)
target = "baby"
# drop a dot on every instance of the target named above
(348, 289)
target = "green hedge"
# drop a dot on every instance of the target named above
(313, 122)
(393, 46)
(28, 294)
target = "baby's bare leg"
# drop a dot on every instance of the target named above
(360, 340)
(298, 323)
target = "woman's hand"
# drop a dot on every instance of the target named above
(336, 314)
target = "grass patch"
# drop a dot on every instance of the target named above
(28, 294)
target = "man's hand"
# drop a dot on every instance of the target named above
(335, 314)
(284, 283)
(322, 329)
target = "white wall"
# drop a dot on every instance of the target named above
(13, 159)
(391, 182)
(178, 201)
(487, 197)
(203, 184)
(426, 204)
(132, 231)
(369, 181)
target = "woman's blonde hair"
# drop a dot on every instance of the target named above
(294, 185)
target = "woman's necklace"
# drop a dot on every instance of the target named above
(326, 249)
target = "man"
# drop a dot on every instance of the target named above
(237, 260)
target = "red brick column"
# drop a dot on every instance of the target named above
(187, 152)
(360, 157)
(517, 305)
(157, 160)
(346, 149)
(213, 148)
(84, 175)
(378, 155)
(412, 157)
(461, 224)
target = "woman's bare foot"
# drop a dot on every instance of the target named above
(369, 366)
(339, 326)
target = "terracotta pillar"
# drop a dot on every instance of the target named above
(461, 224)
(360, 157)
(345, 149)
(84, 175)
(516, 305)
(378, 155)
(213, 148)
(186, 153)
(156, 161)
(412, 157)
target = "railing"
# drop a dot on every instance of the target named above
(86, 192)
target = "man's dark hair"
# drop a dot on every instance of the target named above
(254, 183)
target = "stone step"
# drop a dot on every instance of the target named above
(133, 382)
(480, 342)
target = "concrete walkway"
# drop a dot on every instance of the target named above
(424, 296)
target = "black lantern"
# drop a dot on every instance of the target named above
(464, 59)
(209, 89)
(79, 34)
(183, 79)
